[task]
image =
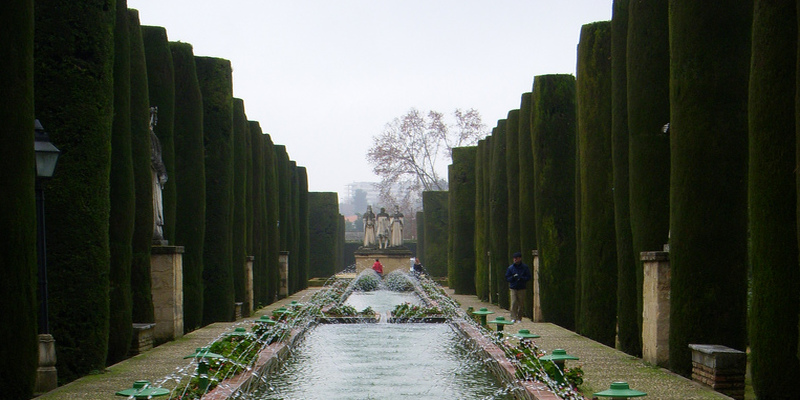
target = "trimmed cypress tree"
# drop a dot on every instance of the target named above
(143, 179)
(323, 228)
(553, 130)
(190, 181)
(214, 77)
(257, 203)
(709, 64)
(77, 110)
(773, 200)
(340, 244)
(272, 232)
(239, 226)
(285, 196)
(122, 197)
(487, 212)
(161, 88)
(629, 330)
(420, 233)
(480, 242)
(512, 181)
(303, 245)
(498, 227)
(461, 271)
(18, 344)
(598, 253)
(648, 111)
(527, 203)
(294, 230)
(434, 204)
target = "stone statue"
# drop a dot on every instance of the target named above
(397, 228)
(159, 176)
(369, 228)
(382, 229)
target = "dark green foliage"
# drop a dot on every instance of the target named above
(74, 68)
(420, 234)
(142, 175)
(323, 229)
(239, 226)
(628, 312)
(481, 224)
(553, 130)
(161, 87)
(527, 204)
(284, 194)
(434, 205)
(304, 244)
(18, 345)
(340, 244)
(773, 201)
(190, 181)
(648, 111)
(461, 268)
(122, 197)
(709, 72)
(294, 230)
(272, 232)
(598, 255)
(498, 217)
(216, 85)
(512, 181)
(259, 245)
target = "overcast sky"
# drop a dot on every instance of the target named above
(324, 76)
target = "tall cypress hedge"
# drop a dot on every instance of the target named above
(598, 253)
(161, 87)
(257, 203)
(434, 204)
(481, 264)
(323, 215)
(648, 111)
(190, 181)
(304, 245)
(628, 312)
(553, 130)
(239, 226)
(143, 181)
(74, 69)
(122, 197)
(18, 344)
(294, 230)
(214, 77)
(284, 188)
(512, 180)
(773, 201)
(527, 203)
(272, 232)
(420, 220)
(709, 73)
(498, 227)
(487, 212)
(461, 270)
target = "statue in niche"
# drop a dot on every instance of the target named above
(397, 228)
(382, 229)
(159, 178)
(369, 228)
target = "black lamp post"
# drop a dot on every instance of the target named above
(46, 159)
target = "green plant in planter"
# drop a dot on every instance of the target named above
(398, 282)
(349, 311)
(408, 310)
(366, 283)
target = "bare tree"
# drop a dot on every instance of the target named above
(412, 153)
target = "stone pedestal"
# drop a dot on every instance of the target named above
(166, 278)
(720, 367)
(142, 339)
(283, 267)
(46, 374)
(393, 258)
(655, 312)
(537, 304)
(248, 307)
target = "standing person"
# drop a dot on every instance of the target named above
(518, 274)
(378, 267)
(417, 269)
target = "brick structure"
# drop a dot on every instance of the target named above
(719, 367)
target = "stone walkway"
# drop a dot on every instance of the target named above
(601, 364)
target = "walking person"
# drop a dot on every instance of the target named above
(517, 275)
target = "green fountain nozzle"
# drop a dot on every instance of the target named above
(559, 355)
(295, 303)
(483, 312)
(500, 321)
(142, 390)
(620, 390)
(525, 334)
(240, 332)
(265, 319)
(279, 313)
(203, 353)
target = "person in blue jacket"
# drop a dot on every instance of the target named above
(517, 275)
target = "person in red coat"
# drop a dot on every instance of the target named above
(378, 267)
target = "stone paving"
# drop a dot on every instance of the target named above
(601, 364)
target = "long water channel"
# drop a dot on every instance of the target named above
(382, 360)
